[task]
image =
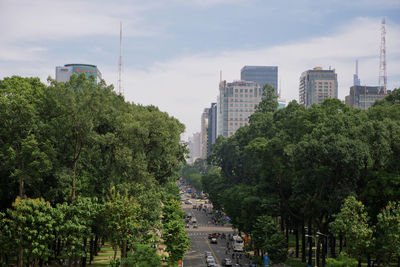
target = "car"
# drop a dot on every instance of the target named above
(210, 259)
(194, 207)
(211, 263)
(188, 202)
(207, 254)
(214, 240)
(227, 262)
(187, 226)
(195, 225)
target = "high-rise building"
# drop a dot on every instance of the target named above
(212, 127)
(236, 102)
(194, 147)
(204, 133)
(63, 74)
(363, 97)
(261, 75)
(316, 85)
(356, 80)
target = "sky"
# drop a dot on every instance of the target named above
(173, 50)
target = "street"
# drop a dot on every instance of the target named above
(200, 242)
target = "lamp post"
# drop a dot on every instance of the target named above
(327, 242)
(315, 240)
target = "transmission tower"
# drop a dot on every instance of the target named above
(382, 60)
(120, 90)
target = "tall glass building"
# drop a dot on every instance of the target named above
(261, 75)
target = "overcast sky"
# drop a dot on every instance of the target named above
(173, 50)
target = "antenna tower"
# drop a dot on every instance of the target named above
(382, 60)
(120, 90)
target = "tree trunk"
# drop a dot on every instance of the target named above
(310, 241)
(20, 261)
(297, 240)
(359, 263)
(324, 251)
(318, 249)
(21, 188)
(340, 243)
(96, 240)
(83, 259)
(91, 248)
(303, 242)
(333, 246)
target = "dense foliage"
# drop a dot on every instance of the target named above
(79, 165)
(299, 165)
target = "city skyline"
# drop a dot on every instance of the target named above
(174, 49)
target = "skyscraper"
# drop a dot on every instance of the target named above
(212, 127)
(204, 133)
(261, 75)
(194, 147)
(63, 74)
(236, 102)
(356, 80)
(316, 85)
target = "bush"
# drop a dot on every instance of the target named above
(342, 261)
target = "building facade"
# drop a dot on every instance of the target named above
(204, 133)
(63, 74)
(212, 127)
(316, 85)
(363, 97)
(236, 102)
(261, 75)
(194, 147)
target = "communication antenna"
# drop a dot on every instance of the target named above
(120, 90)
(382, 60)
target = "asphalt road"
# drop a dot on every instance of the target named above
(200, 242)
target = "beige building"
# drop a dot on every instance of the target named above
(316, 85)
(236, 102)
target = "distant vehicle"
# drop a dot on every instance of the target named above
(187, 225)
(194, 207)
(211, 263)
(195, 225)
(188, 202)
(207, 253)
(214, 240)
(194, 220)
(209, 259)
(227, 262)
(237, 243)
(189, 216)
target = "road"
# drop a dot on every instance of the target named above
(200, 242)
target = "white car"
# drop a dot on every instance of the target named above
(210, 259)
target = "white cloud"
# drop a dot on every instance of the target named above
(185, 86)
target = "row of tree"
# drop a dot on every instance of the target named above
(299, 165)
(86, 167)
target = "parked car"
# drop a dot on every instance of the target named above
(227, 262)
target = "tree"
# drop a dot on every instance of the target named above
(31, 224)
(352, 223)
(267, 237)
(388, 233)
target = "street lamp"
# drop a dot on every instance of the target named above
(327, 242)
(315, 240)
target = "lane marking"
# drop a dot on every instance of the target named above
(212, 251)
